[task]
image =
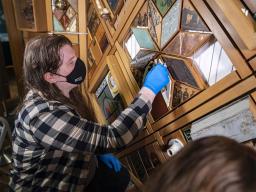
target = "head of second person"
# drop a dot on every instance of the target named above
(212, 164)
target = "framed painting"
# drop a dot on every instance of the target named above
(93, 21)
(141, 19)
(182, 92)
(191, 20)
(179, 71)
(108, 98)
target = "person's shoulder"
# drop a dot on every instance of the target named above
(33, 104)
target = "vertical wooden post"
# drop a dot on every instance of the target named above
(16, 42)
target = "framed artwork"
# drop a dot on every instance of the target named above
(109, 100)
(65, 15)
(90, 58)
(170, 24)
(112, 85)
(191, 20)
(140, 56)
(179, 71)
(154, 22)
(182, 92)
(93, 21)
(141, 20)
(186, 43)
(163, 5)
(103, 43)
(187, 133)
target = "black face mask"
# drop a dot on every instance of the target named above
(76, 76)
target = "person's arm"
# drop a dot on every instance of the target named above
(62, 129)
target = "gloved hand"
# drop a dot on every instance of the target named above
(157, 78)
(111, 161)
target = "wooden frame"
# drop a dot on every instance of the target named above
(113, 30)
(30, 17)
(244, 87)
(241, 27)
(150, 144)
(219, 33)
(253, 63)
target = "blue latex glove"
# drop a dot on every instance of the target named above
(111, 161)
(157, 78)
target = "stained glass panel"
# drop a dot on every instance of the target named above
(191, 20)
(185, 43)
(163, 5)
(65, 15)
(154, 22)
(170, 24)
(179, 71)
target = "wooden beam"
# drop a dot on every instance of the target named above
(16, 43)
(234, 55)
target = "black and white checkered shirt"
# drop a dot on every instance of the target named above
(54, 148)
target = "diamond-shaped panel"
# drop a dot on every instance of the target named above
(170, 24)
(186, 43)
(65, 14)
(154, 22)
(163, 5)
(191, 20)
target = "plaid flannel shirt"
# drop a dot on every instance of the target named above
(54, 148)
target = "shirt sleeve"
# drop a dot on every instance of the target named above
(62, 129)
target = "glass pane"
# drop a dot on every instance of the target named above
(213, 62)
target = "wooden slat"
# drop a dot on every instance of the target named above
(48, 6)
(150, 139)
(121, 82)
(253, 63)
(239, 26)
(198, 100)
(234, 55)
(218, 101)
(134, 13)
(124, 18)
(16, 43)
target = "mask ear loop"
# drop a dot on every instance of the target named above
(60, 76)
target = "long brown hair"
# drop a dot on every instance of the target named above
(213, 164)
(42, 54)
